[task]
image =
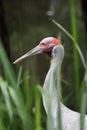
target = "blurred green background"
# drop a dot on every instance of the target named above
(23, 24)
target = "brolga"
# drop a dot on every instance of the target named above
(70, 120)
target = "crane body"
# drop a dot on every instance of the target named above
(70, 119)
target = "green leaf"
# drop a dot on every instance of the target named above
(8, 70)
(72, 38)
(4, 88)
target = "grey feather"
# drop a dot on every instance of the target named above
(70, 119)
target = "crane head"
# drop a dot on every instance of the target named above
(45, 46)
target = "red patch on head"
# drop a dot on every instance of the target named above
(55, 41)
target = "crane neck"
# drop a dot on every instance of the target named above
(56, 59)
(50, 80)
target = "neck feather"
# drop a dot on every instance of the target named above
(50, 87)
(50, 80)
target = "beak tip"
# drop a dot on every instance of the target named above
(14, 62)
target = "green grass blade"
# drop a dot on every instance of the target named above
(19, 103)
(75, 54)
(19, 76)
(2, 126)
(84, 101)
(71, 37)
(25, 84)
(7, 67)
(83, 110)
(59, 89)
(3, 86)
(37, 109)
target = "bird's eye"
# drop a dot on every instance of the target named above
(43, 44)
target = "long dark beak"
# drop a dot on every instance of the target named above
(34, 51)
